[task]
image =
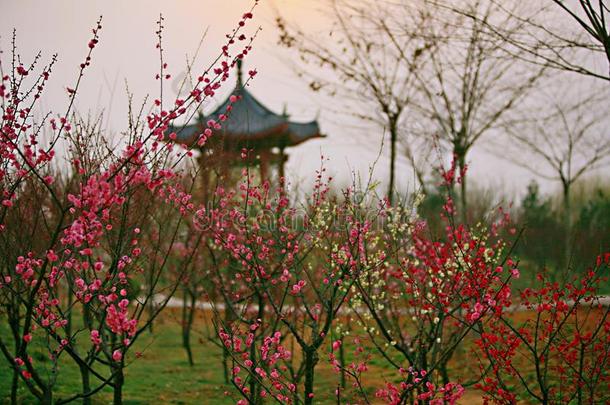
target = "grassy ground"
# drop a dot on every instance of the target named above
(163, 374)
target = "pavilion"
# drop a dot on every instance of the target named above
(250, 125)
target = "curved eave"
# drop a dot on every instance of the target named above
(299, 140)
(302, 132)
(250, 124)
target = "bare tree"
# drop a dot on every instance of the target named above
(470, 85)
(566, 35)
(418, 61)
(372, 78)
(592, 18)
(563, 144)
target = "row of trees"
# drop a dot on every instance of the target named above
(94, 239)
(303, 284)
(447, 75)
(90, 255)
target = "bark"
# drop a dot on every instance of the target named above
(119, 380)
(461, 164)
(311, 359)
(47, 397)
(187, 324)
(393, 141)
(84, 372)
(14, 387)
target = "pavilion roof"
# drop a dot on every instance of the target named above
(249, 123)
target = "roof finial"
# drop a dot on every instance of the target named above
(240, 81)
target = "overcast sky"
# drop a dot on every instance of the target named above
(126, 54)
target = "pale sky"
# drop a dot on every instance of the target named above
(127, 54)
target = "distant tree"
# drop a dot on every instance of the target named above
(470, 85)
(558, 33)
(373, 78)
(562, 145)
(537, 216)
(425, 63)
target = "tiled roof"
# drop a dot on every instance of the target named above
(248, 121)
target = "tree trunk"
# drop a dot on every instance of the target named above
(14, 387)
(254, 385)
(311, 359)
(187, 324)
(443, 368)
(393, 140)
(47, 397)
(84, 373)
(444, 373)
(461, 165)
(119, 380)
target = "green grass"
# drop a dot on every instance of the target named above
(163, 375)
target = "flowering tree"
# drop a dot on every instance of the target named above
(557, 352)
(428, 296)
(96, 239)
(92, 253)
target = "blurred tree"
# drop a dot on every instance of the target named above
(470, 85)
(563, 145)
(422, 61)
(565, 35)
(537, 217)
(374, 77)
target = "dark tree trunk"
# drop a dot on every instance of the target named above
(84, 373)
(188, 314)
(393, 141)
(47, 397)
(311, 359)
(254, 385)
(14, 387)
(461, 165)
(119, 380)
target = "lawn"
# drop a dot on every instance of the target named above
(163, 375)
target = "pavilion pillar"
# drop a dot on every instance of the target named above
(282, 174)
